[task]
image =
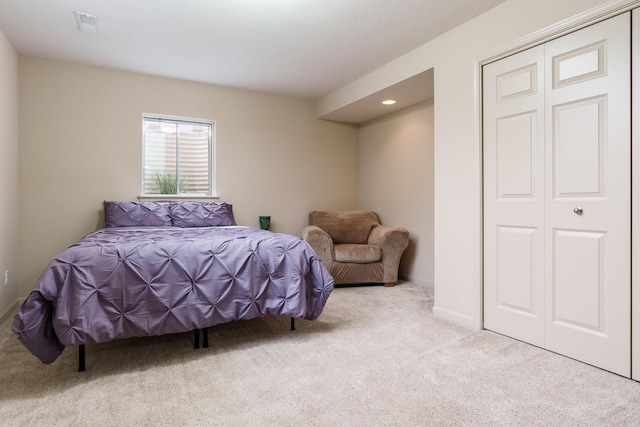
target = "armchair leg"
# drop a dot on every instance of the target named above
(389, 285)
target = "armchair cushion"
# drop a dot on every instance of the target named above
(345, 226)
(359, 254)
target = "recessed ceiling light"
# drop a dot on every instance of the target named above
(87, 23)
(389, 102)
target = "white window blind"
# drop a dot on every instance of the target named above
(178, 156)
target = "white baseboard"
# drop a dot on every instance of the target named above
(457, 318)
(416, 280)
(9, 310)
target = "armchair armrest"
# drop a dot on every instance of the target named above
(320, 242)
(393, 241)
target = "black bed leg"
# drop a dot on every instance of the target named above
(81, 361)
(293, 323)
(196, 339)
(205, 338)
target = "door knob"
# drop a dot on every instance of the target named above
(578, 210)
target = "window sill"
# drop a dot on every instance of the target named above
(163, 197)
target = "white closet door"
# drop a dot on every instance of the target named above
(513, 92)
(557, 195)
(588, 195)
(635, 199)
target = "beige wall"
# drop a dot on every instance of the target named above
(8, 174)
(396, 181)
(457, 152)
(80, 143)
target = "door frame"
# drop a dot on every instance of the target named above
(574, 23)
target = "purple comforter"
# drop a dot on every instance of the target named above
(126, 282)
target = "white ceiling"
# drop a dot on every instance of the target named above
(302, 48)
(408, 92)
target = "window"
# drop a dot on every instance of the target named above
(177, 156)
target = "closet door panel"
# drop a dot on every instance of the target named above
(514, 196)
(516, 253)
(578, 276)
(579, 149)
(587, 213)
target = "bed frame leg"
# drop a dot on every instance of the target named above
(196, 339)
(205, 338)
(293, 323)
(81, 359)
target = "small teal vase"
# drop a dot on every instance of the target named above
(265, 221)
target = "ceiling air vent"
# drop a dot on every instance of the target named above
(87, 23)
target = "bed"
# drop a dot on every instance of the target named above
(162, 267)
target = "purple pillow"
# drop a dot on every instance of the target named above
(136, 214)
(206, 214)
(230, 212)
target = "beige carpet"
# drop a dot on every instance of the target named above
(375, 357)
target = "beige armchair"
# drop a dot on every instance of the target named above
(355, 247)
